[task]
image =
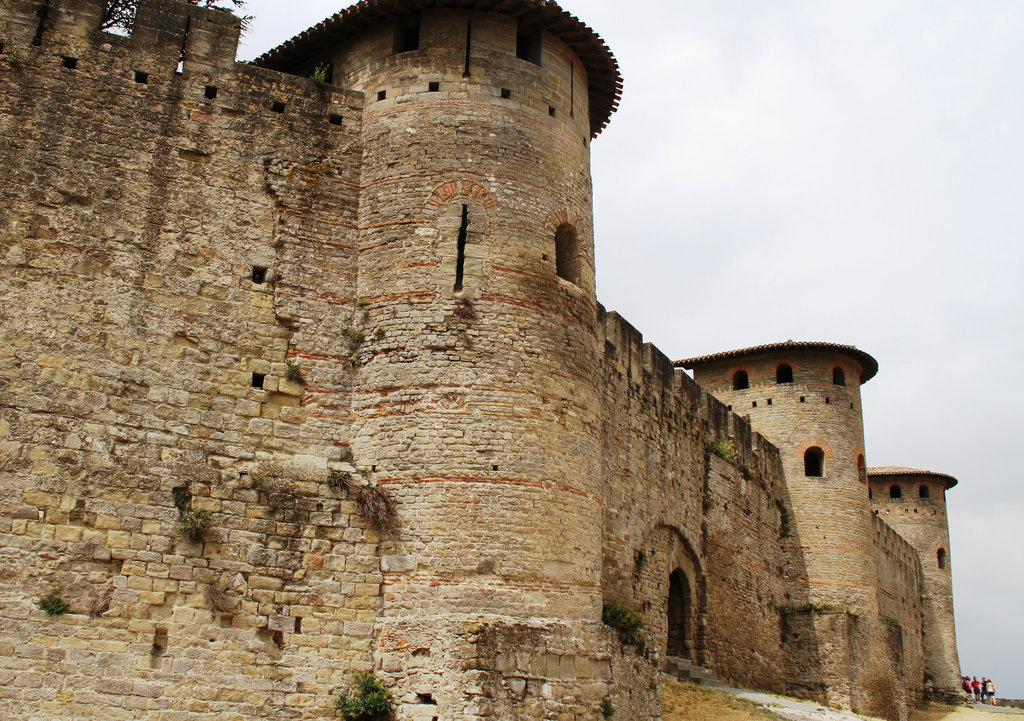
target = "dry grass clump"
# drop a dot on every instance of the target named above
(687, 702)
(377, 506)
(218, 600)
(100, 603)
(375, 503)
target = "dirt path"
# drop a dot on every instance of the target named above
(951, 713)
(686, 702)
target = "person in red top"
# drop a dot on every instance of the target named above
(976, 687)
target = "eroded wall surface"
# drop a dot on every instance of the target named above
(135, 206)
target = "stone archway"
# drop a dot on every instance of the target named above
(673, 583)
(679, 615)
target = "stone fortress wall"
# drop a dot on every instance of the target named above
(805, 397)
(178, 230)
(917, 512)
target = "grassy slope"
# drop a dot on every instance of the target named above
(685, 702)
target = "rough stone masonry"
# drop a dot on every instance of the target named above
(243, 302)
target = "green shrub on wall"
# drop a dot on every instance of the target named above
(625, 620)
(367, 700)
(725, 450)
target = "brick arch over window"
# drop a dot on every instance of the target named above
(462, 188)
(811, 442)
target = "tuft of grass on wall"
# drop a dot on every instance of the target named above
(625, 620)
(53, 605)
(193, 522)
(824, 608)
(726, 450)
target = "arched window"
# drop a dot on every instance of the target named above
(814, 462)
(862, 471)
(784, 374)
(924, 492)
(895, 492)
(567, 253)
(838, 376)
(941, 557)
(740, 381)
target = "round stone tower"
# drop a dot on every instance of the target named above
(805, 398)
(475, 341)
(914, 503)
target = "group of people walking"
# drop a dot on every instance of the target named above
(984, 691)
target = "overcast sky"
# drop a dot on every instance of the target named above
(833, 171)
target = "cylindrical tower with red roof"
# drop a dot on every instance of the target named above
(805, 398)
(476, 343)
(913, 502)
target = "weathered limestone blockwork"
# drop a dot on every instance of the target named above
(913, 504)
(673, 507)
(229, 289)
(855, 589)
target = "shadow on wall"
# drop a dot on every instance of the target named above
(805, 674)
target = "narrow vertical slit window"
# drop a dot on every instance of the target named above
(460, 259)
(572, 90)
(469, 41)
(184, 43)
(567, 254)
(44, 13)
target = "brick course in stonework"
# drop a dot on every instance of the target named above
(233, 294)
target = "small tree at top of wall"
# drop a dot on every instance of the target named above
(120, 14)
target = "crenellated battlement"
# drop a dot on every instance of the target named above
(652, 377)
(164, 32)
